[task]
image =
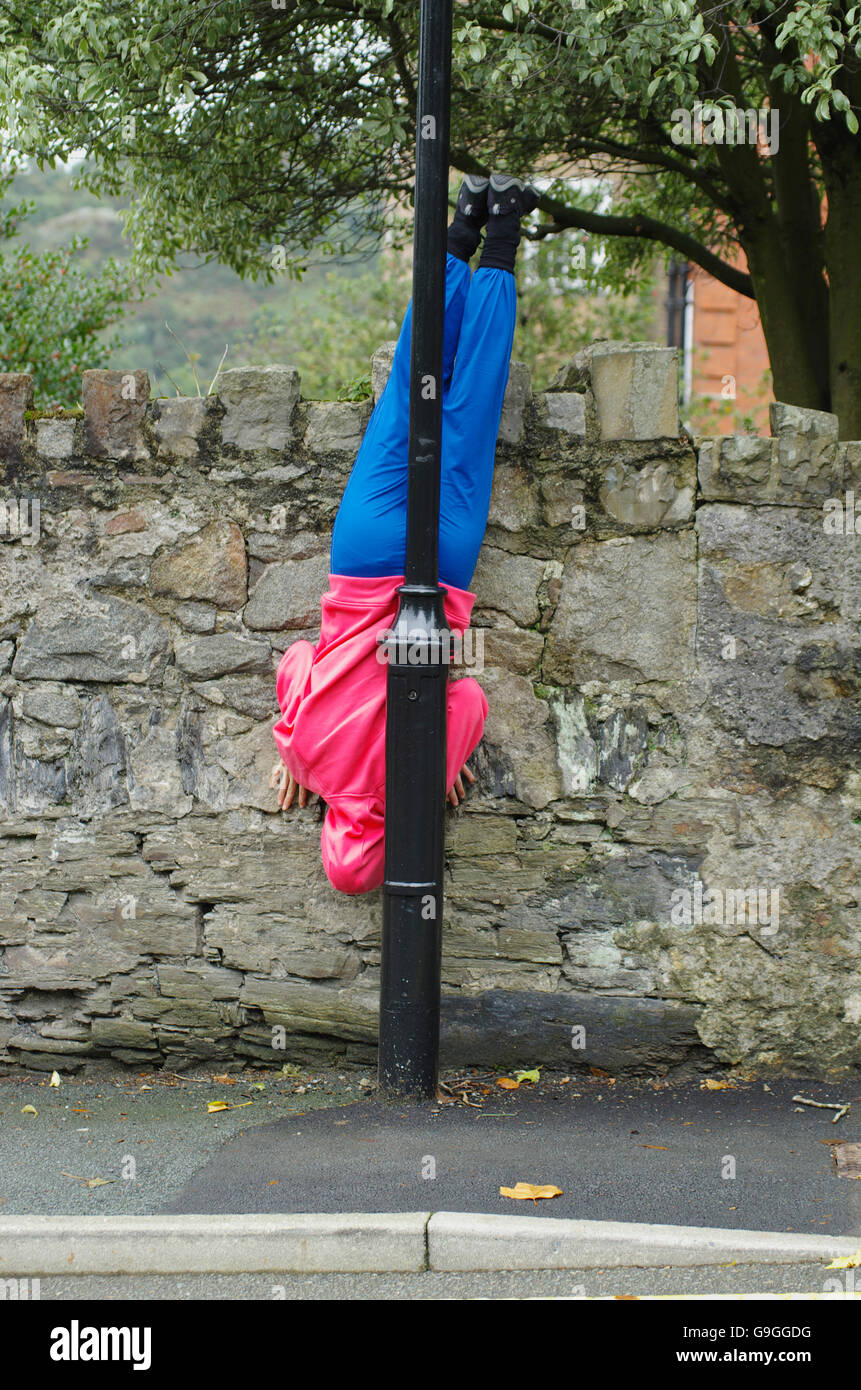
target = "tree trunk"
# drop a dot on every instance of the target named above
(843, 255)
(794, 314)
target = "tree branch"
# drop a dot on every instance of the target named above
(635, 225)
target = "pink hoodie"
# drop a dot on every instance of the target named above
(332, 732)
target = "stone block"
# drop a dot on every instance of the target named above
(644, 496)
(336, 426)
(513, 499)
(114, 406)
(518, 395)
(518, 725)
(16, 397)
(381, 367)
(105, 641)
(181, 423)
(627, 611)
(224, 653)
(807, 455)
(513, 648)
(196, 617)
(122, 1032)
(636, 390)
(565, 411)
(259, 405)
(779, 605)
(287, 595)
(508, 584)
(55, 706)
(211, 567)
(55, 439)
(307, 1008)
(737, 468)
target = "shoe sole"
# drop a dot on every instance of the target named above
(500, 183)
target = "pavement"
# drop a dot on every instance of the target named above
(629, 1158)
(619, 1153)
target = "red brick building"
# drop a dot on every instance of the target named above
(726, 377)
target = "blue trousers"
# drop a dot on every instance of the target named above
(369, 536)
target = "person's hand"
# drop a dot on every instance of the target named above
(458, 790)
(287, 787)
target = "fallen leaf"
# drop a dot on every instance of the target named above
(524, 1191)
(224, 1080)
(507, 1083)
(847, 1158)
(29, 1110)
(214, 1105)
(663, 1147)
(533, 1076)
(440, 1099)
(88, 1182)
(846, 1261)
(55, 1079)
(711, 1085)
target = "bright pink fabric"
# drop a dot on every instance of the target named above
(331, 734)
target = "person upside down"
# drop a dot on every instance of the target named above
(332, 696)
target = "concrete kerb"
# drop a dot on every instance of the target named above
(402, 1242)
(327, 1243)
(463, 1241)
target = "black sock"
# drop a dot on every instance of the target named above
(464, 234)
(501, 241)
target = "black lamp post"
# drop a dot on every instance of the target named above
(418, 669)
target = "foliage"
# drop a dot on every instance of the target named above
(331, 336)
(249, 125)
(47, 298)
(309, 104)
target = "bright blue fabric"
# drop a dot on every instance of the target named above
(369, 536)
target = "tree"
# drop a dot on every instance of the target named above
(52, 312)
(248, 123)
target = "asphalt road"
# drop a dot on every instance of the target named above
(749, 1280)
(618, 1153)
(87, 1130)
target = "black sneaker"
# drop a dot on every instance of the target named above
(506, 194)
(470, 215)
(472, 198)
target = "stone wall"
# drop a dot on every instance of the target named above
(673, 663)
